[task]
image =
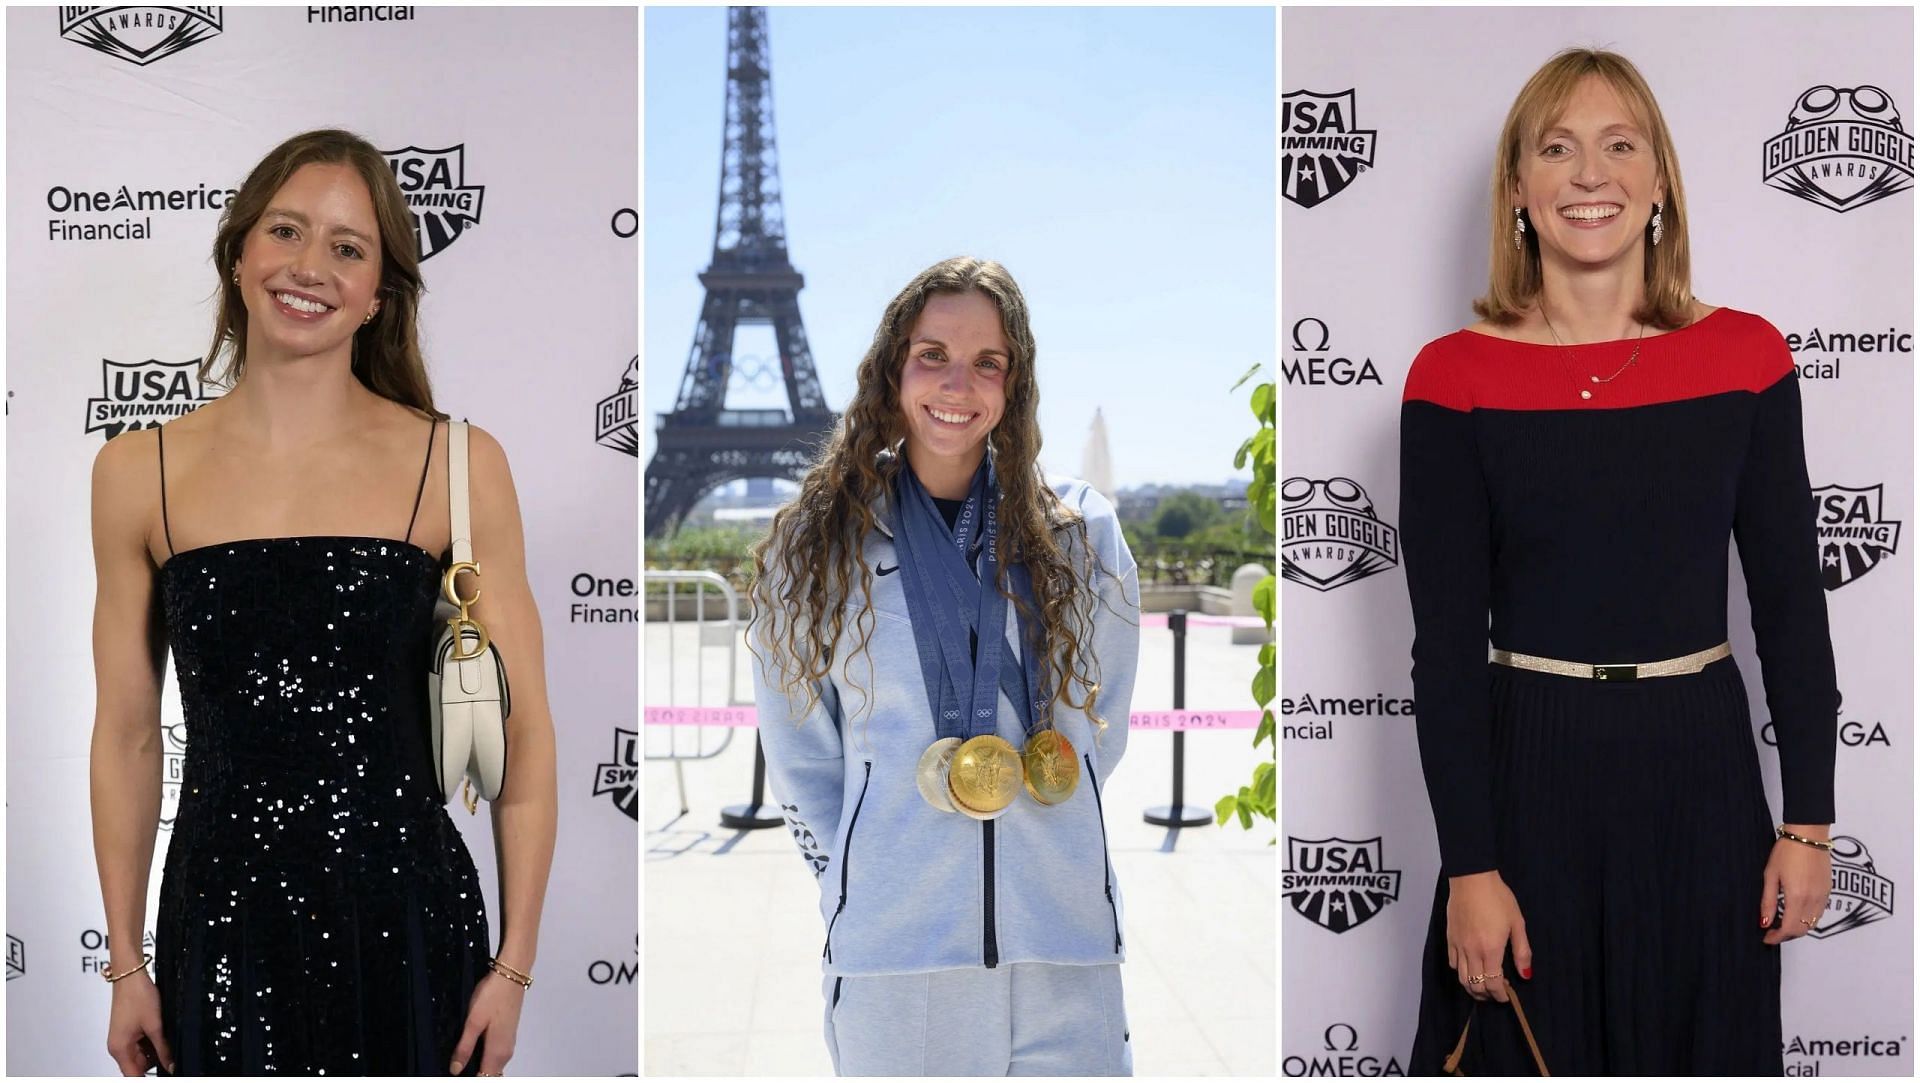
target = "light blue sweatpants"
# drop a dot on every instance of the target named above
(1035, 1019)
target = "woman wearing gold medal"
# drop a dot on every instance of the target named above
(946, 643)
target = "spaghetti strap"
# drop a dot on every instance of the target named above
(431, 429)
(160, 434)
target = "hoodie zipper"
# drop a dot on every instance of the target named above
(990, 945)
(846, 851)
(1105, 864)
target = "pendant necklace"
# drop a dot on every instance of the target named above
(1635, 356)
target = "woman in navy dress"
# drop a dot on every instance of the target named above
(1573, 466)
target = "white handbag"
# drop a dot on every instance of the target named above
(467, 684)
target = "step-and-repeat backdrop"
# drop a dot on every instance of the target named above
(1389, 124)
(513, 133)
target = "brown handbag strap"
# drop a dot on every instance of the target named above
(1452, 1065)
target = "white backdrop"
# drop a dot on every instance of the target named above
(1391, 260)
(524, 119)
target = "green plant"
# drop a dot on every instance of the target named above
(1259, 796)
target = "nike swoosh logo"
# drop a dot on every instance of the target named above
(881, 570)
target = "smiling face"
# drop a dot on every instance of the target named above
(309, 269)
(1590, 182)
(953, 384)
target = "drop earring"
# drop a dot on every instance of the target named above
(1658, 232)
(1519, 230)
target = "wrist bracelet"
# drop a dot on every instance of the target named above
(1781, 832)
(523, 980)
(112, 977)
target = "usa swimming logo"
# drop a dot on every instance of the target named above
(1321, 148)
(621, 778)
(1330, 534)
(434, 183)
(1338, 883)
(139, 34)
(1854, 533)
(143, 394)
(1842, 149)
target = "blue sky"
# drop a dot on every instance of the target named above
(1118, 161)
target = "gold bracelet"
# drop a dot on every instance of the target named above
(524, 981)
(1781, 832)
(112, 977)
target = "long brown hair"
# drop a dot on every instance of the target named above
(813, 547)
(386, 351)
(1514, 276)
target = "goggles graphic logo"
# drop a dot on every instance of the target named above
(173, 765)
(434, 183)
(1330, 535)
(1321, 151)
(621, 778)
(616, 417)
(1858, 896)
(1854, 535)
(1338, 883)
(138, 34)
(1842, 148)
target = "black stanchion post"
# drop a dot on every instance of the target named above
(1179, 814)
(747, 817)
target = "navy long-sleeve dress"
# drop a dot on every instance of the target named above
(1627, 817)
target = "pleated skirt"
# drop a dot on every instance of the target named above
(1633, 830)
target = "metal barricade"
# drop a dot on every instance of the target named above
(667, 658)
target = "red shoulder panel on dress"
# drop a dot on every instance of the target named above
(1729, 350)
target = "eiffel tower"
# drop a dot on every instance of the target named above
(750, 280)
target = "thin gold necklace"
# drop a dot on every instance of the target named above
(1584, 393)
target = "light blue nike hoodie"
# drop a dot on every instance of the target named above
(904, 887)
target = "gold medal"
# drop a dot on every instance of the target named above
(932, 774)
(1052, 770)
(984, 777)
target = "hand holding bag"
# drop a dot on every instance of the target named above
(467, 683)
(1452, 1065)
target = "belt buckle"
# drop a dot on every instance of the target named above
(1616, 673)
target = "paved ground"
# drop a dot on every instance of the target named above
(732, 957)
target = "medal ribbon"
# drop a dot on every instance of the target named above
(951, 590)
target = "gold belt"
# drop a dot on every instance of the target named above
(1626, 671)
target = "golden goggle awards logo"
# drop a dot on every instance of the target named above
(138, 34)
(616, 418)
(1330, 535)
(1858, 895)
(1842, 148)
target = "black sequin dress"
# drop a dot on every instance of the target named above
(319, 911)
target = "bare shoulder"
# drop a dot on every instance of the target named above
(486, 455)
(125, 461)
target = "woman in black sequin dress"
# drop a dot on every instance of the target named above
(319, 912)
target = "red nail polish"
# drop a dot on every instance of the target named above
(1526, 972)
